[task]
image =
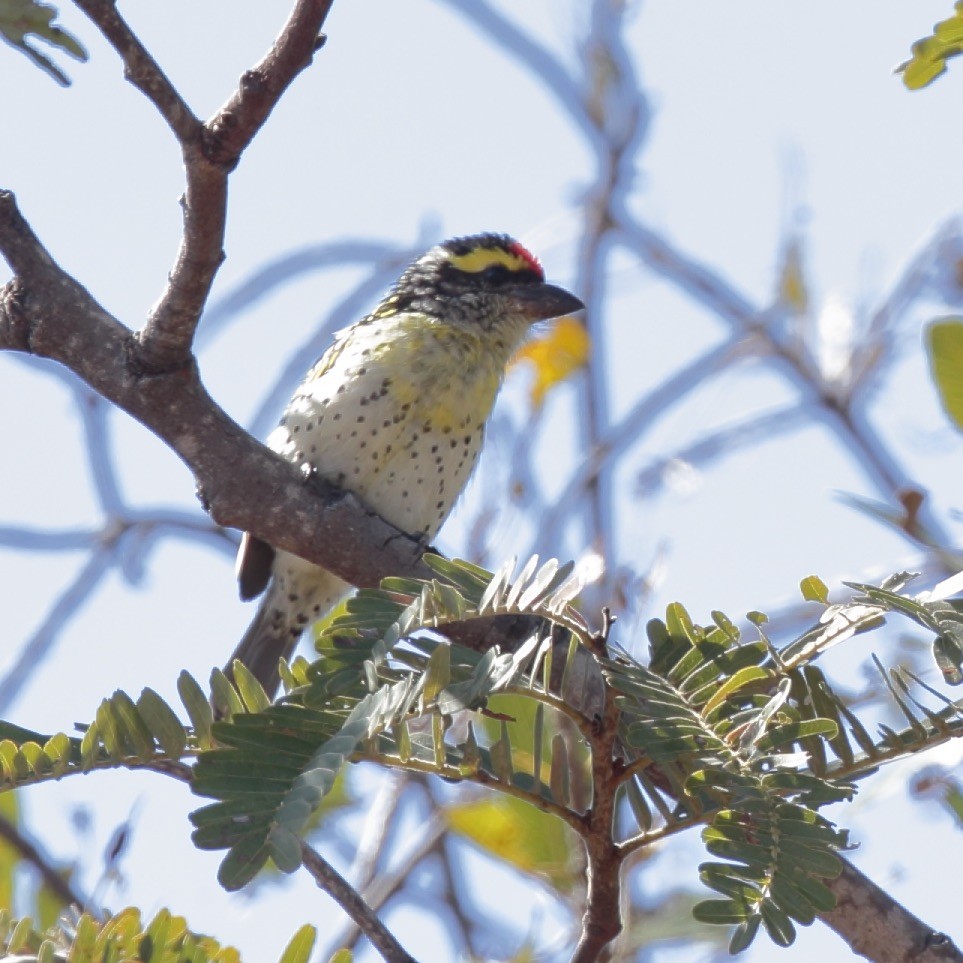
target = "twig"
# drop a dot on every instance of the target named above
(93, 413)
(142, 70)
(536, 58)
(630, 429)
(449, 879)
(847, 420)
(616, 107)
(53, 880)
(391, 881)
(724, 441)
(283, 270)
(211, 151)
(38, 645)
(378, 822)
(335, 885)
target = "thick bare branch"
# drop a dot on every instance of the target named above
(877, 927)
(243, 485)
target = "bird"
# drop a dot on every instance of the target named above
(395, 412)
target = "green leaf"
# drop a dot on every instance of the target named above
(814, 589)
(439, 673)
(720, 911)
(252, 693)
(732, 685)
(778, 924)
(242, 864)
(198, 707)
(164, 725)
(224, 695)
(929, 54)
(301, 945)
(19, 18)
(285, 849)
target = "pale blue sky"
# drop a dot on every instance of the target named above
(411, 124)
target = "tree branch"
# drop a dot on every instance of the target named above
(335, 885)
(142, 70)
(211, 151)
(45, 312)
(877, 927)
(55, 881)
(602, 920)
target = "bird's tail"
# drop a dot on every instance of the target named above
(268, 639)
(304, 595)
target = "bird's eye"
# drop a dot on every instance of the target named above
(496, 274)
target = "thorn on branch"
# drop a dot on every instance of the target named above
(321, 40)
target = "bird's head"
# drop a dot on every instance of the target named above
(486, 282)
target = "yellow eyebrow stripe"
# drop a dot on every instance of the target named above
(484, 257)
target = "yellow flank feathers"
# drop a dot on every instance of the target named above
(480, 258)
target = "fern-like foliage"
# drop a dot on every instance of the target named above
(126, 936)
(727, 733)
(751, 741)
(124, 733)
(275, 766)
(711, 726)
(718, 731)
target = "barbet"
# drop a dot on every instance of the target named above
(395, 412)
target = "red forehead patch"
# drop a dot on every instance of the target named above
(527, 256)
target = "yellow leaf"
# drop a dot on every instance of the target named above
(792, 279)
(945, 348)
(563, 350)
(516, 832)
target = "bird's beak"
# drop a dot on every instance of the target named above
(539, 302)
